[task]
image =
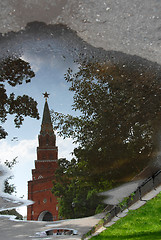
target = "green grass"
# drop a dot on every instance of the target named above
(141, 224)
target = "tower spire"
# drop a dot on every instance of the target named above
(46, 125)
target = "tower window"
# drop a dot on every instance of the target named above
(40, 177)
(47, 140)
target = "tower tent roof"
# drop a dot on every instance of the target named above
(46, 126)
(46, 114)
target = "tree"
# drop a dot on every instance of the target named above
(119, 118)
(77, 197)
(12, 212)
(14, 71)
(8, 187)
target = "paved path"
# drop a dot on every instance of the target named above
(25, 230)
(12, 229)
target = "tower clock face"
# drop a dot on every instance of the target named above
(45, 200)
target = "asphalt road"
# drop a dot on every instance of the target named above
(129, 26)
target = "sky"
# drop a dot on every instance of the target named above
(50, 52)
(22, 143)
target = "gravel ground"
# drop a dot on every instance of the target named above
(129, 26)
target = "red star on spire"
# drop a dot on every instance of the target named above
(46, 95)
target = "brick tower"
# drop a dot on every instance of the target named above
(39, 188)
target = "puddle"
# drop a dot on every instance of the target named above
(117, 97)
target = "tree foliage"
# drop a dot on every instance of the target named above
(14, 71)
(119, 117)
(8, 187)
(12, 212)
(116, 131)
(77, 196)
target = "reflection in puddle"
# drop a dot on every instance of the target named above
(118, 101)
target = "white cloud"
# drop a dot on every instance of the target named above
(26, 152)
(24, 149)
(65, 147)
(35, 61)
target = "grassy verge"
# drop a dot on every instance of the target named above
(141, 224)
